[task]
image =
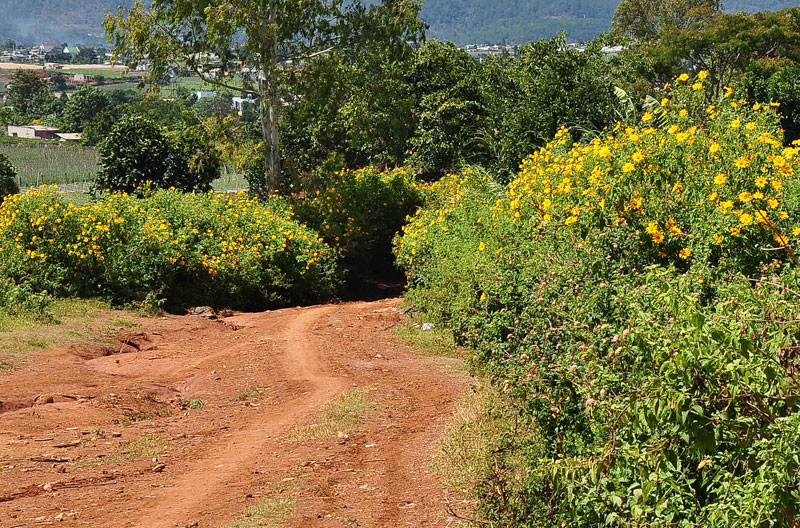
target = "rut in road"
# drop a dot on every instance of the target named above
(213, 463)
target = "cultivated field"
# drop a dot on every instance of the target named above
(73, 167)
(38, 164)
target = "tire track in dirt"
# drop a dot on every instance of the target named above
(220, 459)
(206, 482)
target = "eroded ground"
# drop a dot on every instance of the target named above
(300, 417)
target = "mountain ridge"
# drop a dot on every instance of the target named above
(462, 21)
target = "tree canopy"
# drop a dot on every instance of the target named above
(246, 46)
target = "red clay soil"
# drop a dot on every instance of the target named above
(108, 437)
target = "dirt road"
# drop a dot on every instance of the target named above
(300, 418)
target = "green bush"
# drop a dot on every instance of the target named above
(84, 106)
(360, 211)
(635, 297)
(138, 151)
(8, 182)
(762, 84)
(171, 249)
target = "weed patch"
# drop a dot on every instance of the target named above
(147, 446)
(340, 414)
(268, 513)
(247, 395)
(438, 340)
(66, 322)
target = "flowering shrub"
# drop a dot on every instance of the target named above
(723, 191)
(172, 248)
(360, 211)
(635, 296)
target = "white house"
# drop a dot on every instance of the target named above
(240, 102)
(33, 132)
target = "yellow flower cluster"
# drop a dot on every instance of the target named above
(728, 175)
(167, 233)
(359, 210)
(451, 194)
(684, 187)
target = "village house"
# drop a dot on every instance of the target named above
(34, 132)
(80, 78)
(240, 102)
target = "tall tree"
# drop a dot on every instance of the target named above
(724, 44)
(359, 105)
(645, 20)
(85, 104)
(245, 46)
(25, 86)
(727, 43)
(451, 108)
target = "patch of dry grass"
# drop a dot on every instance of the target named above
(270, 512)
(68, 321)
(340, 414)
(147, 446)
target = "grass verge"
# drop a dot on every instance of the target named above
(438, 340)
(484, 428)
(67, 321)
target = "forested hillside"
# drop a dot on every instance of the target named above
(33, 21)
(462, 21)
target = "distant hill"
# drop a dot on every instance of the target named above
(74, 21)
(462, 21)
(516, 21)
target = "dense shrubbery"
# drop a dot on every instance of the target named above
(171, 249)
(636, 297)
(361, 211)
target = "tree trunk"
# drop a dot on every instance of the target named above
(266, 137)
(270, 110)
(274, 164)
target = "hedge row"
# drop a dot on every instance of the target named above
(636, 297)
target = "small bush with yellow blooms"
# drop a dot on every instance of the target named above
(169, 249)
(360, 211)
(636, 297)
